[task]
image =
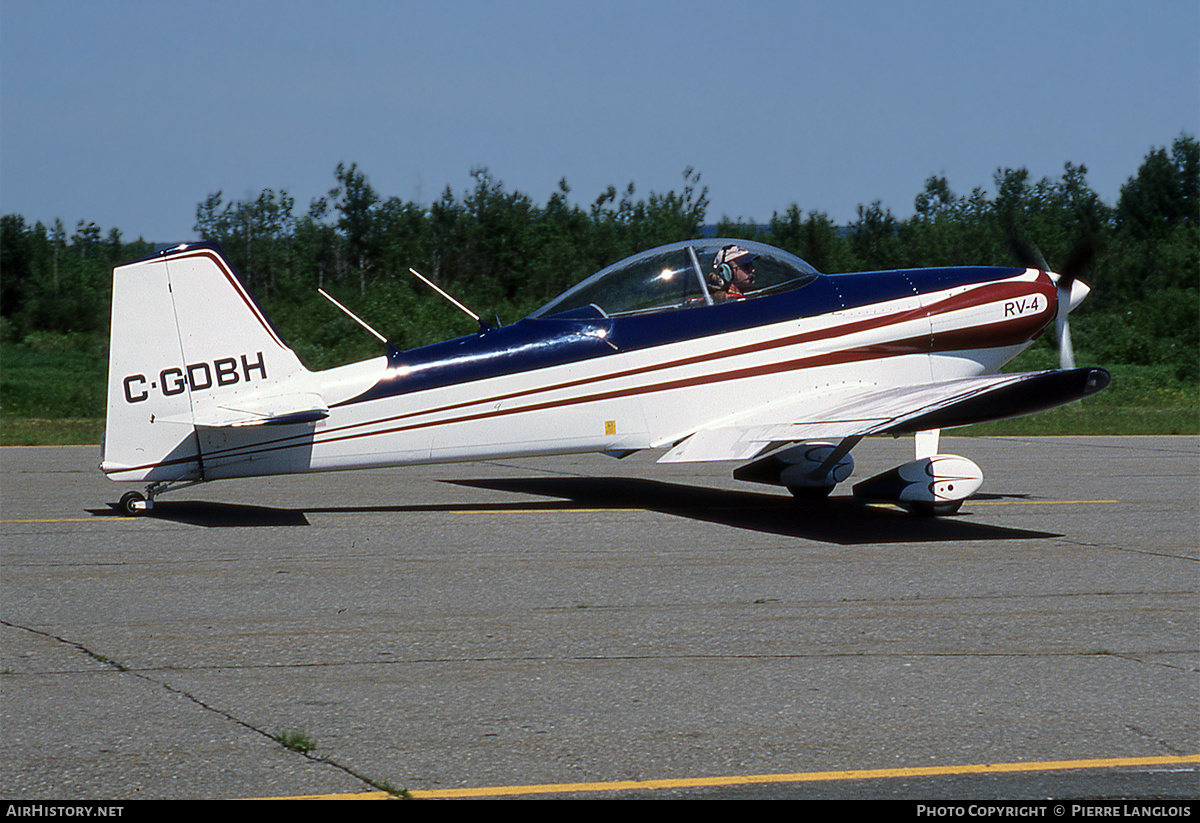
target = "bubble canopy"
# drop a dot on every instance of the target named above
(675, 277)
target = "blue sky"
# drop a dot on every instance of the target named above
(128, 113)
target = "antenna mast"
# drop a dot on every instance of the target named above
(352, 316)
(482, 325)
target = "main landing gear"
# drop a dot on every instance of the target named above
(932, 485)
(134, 503)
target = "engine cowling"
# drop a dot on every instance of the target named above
(930, 485)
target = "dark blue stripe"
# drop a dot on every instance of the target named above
(864, 288)
(932, 280)
(523, 346)
(538, 343)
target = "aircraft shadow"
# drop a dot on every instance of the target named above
(215, 515)
(840, 520)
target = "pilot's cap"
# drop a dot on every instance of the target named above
(731, 254)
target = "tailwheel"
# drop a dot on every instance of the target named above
(136, 503)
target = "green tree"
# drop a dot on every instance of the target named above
(355, 201)
(814, 238)
(256, 235)
(16, 263)
(1164, 193)
(874, 238)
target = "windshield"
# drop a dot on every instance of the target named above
(684, 275)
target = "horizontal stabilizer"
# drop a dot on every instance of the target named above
(264, 411)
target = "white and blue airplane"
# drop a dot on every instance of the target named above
(715, 349)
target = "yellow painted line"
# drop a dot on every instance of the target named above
(762, 779)
(1035, 502)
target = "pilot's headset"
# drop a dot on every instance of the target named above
(721, 264)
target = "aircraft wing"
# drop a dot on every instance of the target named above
(859, 411)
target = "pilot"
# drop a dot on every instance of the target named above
(733, 273)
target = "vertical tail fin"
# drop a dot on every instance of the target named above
(190, 347)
